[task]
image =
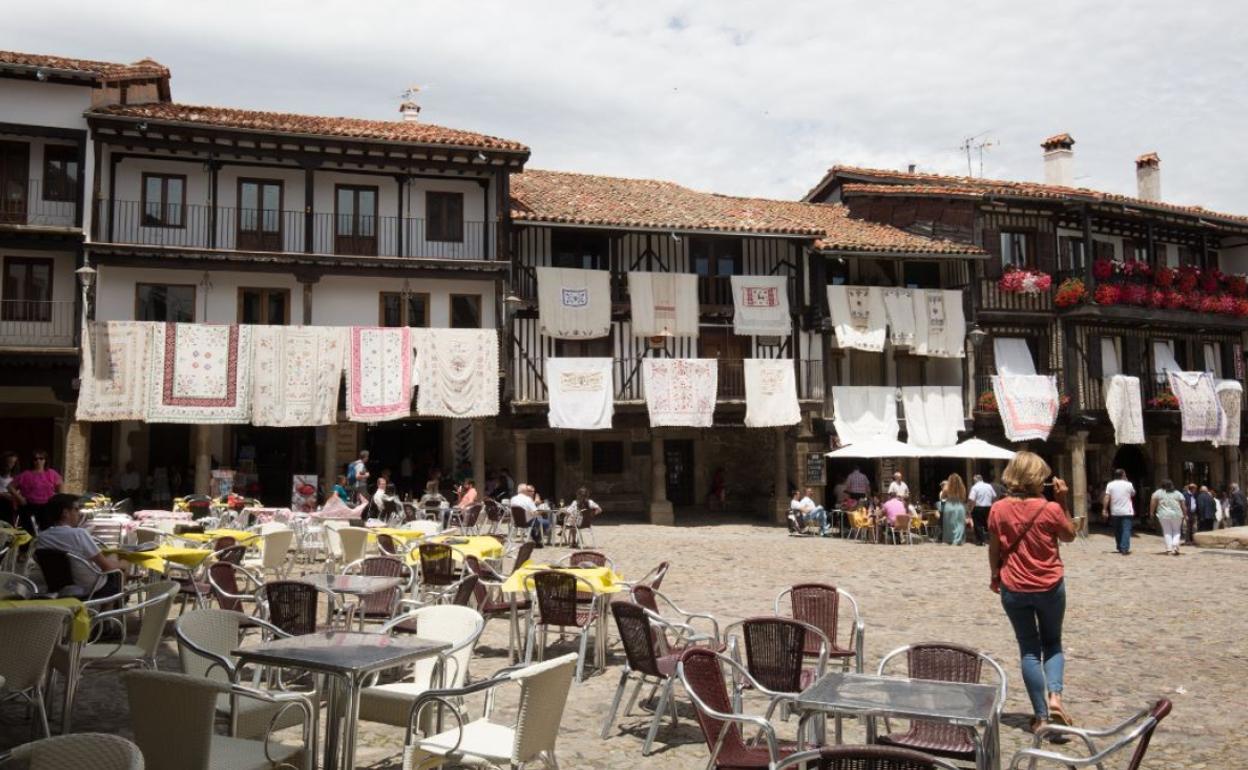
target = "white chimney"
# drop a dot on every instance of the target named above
(1059, 160)
(1148, 176)
(408, 107)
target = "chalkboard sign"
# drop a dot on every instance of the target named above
(814, 468)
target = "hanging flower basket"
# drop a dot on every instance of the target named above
(1070, 292)
(987, 402)
(1108, 294)
(1020, 281)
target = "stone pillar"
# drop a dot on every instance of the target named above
(77, 457)
(478, 453)
(521, 472)
(661, 511)
(1232, 465)
(1078, 443)
(1158, 447)
(203, 458)
(329, 456)
(780, 503)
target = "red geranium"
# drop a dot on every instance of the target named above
(1241, 308)
(1174, 300)
(1188, 277)
(1210, 304)
(1108, 294)
(1209, 281)
(1226, 304)
(1102, 269)
(1237, 285)
(1134, 294)
(1070, 292)
(1164, 277)
(1157, 298)
(1194, 300)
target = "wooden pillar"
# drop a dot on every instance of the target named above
(1159, 449)
(329, 456)
(478, 453)
(77, 457)
(203, 458)
(1078, 443)
(661, 511)
(309, 220)
(1232, 465)
(521, 469)
(780, 501)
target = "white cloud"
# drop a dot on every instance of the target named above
(740, 97)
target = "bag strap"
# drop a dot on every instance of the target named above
(1022, 534)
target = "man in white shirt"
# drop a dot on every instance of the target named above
(539, 525)
(981, 495)
(814, 512)
(61, 532)
(898, 488)
(383, 496)
(1118, 506)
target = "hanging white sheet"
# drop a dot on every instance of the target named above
(1200, 409)
(379, 374)
(1027, 404)
(939, 323)
(1163, 358)
(858, 317)
(457, 372)
(899, 308)
(1231, 397)
(1125, 408)
(200, 373)
(115, 367)
(574, 304)
(1012, 356)
(680, 391)
(761, 305)
(664, 304)
(580, 393)
(863, 413)
(296, 375)
(933, 415)
(770, 393)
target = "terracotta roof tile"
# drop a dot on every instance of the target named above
(585, 199)
(1058, 140)
(405, 131)
(100, 70)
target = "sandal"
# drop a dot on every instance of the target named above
(1059, 716)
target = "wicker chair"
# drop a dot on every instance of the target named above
(685, 633)
(97, 751)
(383, 604)
(1137, 729)
(819, 604)
(653, 578)
(641, 646)
(29, 636)
(863, 758)
(522, 555)
(543, 695)
(15, 586)
(223, 579)
(291, 606)
(471, 517)
(701, 672)
(387, 545)
(943, 663)
(774, 655)
(557, 605)
(588, 559)
(437, 569)
(493, 514)
(492, 603)
(172, 717)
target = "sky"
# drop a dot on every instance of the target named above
(747, 98)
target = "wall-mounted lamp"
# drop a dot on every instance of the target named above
(41, 75)
(512, 304)
(977, 336)
(86, 279)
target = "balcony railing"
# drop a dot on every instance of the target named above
(992, 298)
(22, 203)
(37, 324)
(240, 229)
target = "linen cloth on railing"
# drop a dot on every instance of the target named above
(770, 393)
(899, 308)
(858, 317)
(1231, 397)
(1200, 409)
(664, 304)
(574, 304)
(680, 391)
(379, 373)
(297, 372)
(457, 372)
(1012, 356)
(200, 373)
(1027, 403)
(580, 393)
(114, 372)
(940, 324)
(862, 413)
(934, 414)
(1125, 408)
(761, 304)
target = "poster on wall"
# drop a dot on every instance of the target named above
(222, 483)
(303, 493)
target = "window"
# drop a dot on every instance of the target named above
(1104, 250)
(60, 173)
(465, 311)
(608, 457)
(1111, 356)
(1071, 253)
(1163, 359)
(164, 302)
(1213, 359)
(355, 220)
(27, 289)
(921, 275)
(259, 215)
(164, 200)
(715, 256)
(595, 348)
(837, 272)
(445, 211)
(580, 249)
(265, 307)
(1139, 250)
(1016, 249)
(392, 310)
(1166, 255)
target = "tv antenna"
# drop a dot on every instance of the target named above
(974, 146)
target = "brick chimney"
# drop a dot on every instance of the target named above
(408, 107)
(1059, 160)
(1148, 176)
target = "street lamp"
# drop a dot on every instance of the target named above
(977, 336)
(512, 303)
(86, 278)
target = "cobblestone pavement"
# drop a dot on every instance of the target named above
(1137, 628)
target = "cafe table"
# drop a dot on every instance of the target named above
(20, 536)
(158, 558)
(352, 585)
(871, 696)
(347, 658)
(241, 536)
(399, 534)
(603, 580)
(484, 547)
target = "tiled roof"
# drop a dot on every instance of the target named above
(585, 199)
(405, 131)
(1058, 140)
(101, 70)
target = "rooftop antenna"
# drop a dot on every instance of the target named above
(975, 143)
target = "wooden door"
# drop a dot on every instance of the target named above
(14, 181)
(355, 220)
(541, 461)
(730, 349)
(678, 461)
(259, 215)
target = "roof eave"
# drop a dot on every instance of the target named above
(837, 251)
(664, 229)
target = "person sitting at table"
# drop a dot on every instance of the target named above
(527, 498)
(573, 514)
(795, 513)
(382, 496)
(60, 531)
(340, 490)
(467, 493)
(892, 508)
(432, 498)
(813, 512)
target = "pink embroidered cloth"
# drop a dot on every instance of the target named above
(379, 374)
(680, 391)
(201, 373)
(1028, 405)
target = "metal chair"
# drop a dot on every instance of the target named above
(472, 517)
(223, 580)
(1137, 729)
(354, 543)
(557, 605)
(774, 655)
(685, 632)
(819, 604)
(899, 529)
(493, 514)
(491, 602)
(644, 662)
(387, 546)
(29, 636)
(863, 758)
(59, 576)
(98, 751)
(578, 523)
(587, 559)
(653, 578)
(15, 586)
(437, 569)
(291, 606)
(382, 604)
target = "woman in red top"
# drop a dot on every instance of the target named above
(1024, 530)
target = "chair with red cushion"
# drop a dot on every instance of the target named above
(820, 605)
(637, 635)
(773, 655)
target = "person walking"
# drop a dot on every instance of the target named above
(982, 496)
(1167, 505)
(898, 487)
(1206, 509)
(1026, 568)
(1239, 506)
(357, 474)
(953, 510)
(1117, 505)
(1190, 493)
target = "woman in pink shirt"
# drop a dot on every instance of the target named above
(36, 487)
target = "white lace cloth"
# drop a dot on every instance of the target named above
(1200, 409)
(1125, 408)
(858, 317)
(574, 304)
(457, 372)
(115, 368)
(899, 307)
(862, 413)
(933, 414)
(379, 374)
(200, 373)
(761, 305)
(580, 393)
(297, 372)
(680, 391)
(770, 393)
(940, 324)
(1231, 397)
(664, 304)
(1027, 404)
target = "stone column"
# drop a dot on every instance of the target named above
(521, 472)
(203, 458)
(1159, 447)
(329, 455)
(661, 511)
(77, 457)
(478, 453)
(1078, 443)
(780, 503)
(1232, 465)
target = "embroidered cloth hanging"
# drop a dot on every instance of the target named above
(1231, 397)
(114, 371)
(1027, 404)
(761, 304)
(580, 393)
(1200, 409)
(379, 373)
(680, 391)
(457, 372)
(858, 317)
(664, 304)
(899, 309)
(574, 304)
(940, 325)
(862, 413)
(297, 372)
(1125, 408)
(200, 373)
(933, 415)
(770, 393)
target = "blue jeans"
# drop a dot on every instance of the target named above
(538, 526)
(1122, 533)
(821, 516)
(1037, 621)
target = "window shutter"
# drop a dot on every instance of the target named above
(1228, 361)
(1183, 354)
(1036, 346)
(1096, 367)
(1065, 256)
(1046, 258)
(992, 245)
(1132, 356)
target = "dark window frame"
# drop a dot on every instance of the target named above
(480, 310)
(259, 232)
(715, 253)
(66, 189)
(145, 218)
(607, 458)
(138, 288)
(580, 249)
(27, 308)
(442, 226)
(923, 265)
(265, 292)
(1024, 238)
(404, 307)
(356, 215)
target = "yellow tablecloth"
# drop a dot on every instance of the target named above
(602, 579)
(20, 536)
(402, 535)
(156, 558)
(481, 546)
(241, 536)
(81, 628)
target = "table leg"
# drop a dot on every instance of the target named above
(332, 707)
(515, 628)
(601, 633)
(71, 682)
(350, 720)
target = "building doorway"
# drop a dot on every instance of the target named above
(541, 465)
(168, 447)
(411, 450)
(932, 471)
(27, 435)
(269, 458)
(678, 460)
(1132, 460)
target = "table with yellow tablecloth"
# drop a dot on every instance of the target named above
(481, 546)
(602, 579)
(81, 627)
(157, 558)
(401, 535)
(241, 536)
(20, 536)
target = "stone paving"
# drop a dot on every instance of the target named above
(1137, 628)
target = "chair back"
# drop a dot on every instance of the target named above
(466, 591)
(637, 636)
(1159, 711)
(863, 758)
(199, 508)
(15, 586)
(543, 696)
(471, 514)
(171, 716)
(333, 541)
(144, 535)
(276, 546)
(523, 554)
(437, 564)
(643, 595)
(98, 751)
(386, 544)
(773, 652)
(223, 578)
(583, 558)
(216, 632)
(493, 511)
(232, 553)
(291, 605)
(27, 636)
(654, 578)
(55, 568)
(382, 603)
(152, 626)
(556, 597)
(519, 517)
(944, 662)
(354, 543)
(223, 542)
(819, 605)
(901, 522)
(702, 675)
(459, 627)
